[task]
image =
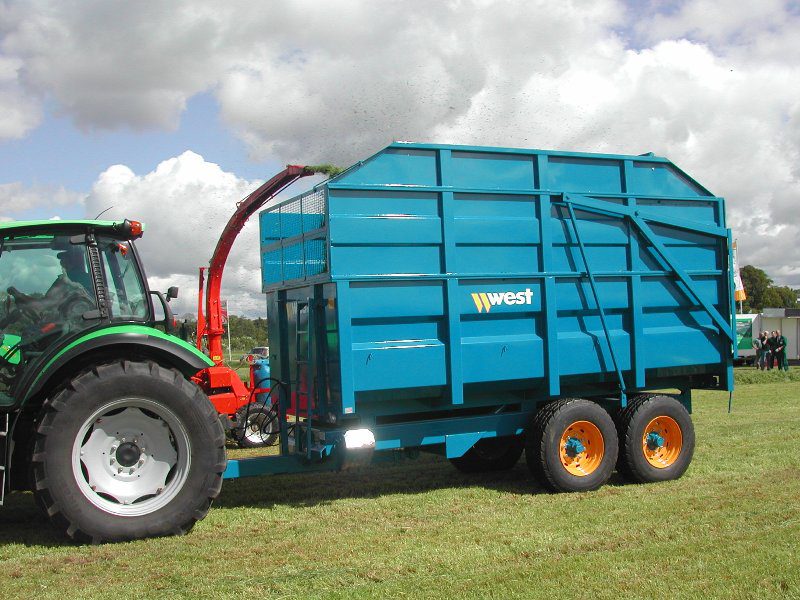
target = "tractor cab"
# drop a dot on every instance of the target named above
(59, 279)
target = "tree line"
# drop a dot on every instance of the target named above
(245, 333)
(761, 293)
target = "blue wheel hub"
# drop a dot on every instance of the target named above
(654, 440)
(573, 447)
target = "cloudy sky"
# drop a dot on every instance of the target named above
(171, 111)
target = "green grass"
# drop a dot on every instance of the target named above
(743, 375)
(730, 528)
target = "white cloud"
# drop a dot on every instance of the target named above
(18, 200)
(721, 23)
(715, 86)
(185, 203)
(399, 71)
(114, 64)
(19, 112)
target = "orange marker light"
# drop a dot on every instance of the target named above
(136, 228)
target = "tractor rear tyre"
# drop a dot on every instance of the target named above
(491, 454)
(656, 439)
(125, 451)
(571, 445)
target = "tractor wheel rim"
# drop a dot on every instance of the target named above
(131, 457)
(662, 441)
(582, 448)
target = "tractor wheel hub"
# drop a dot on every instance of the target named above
(128, 454)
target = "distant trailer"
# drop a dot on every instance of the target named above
(748, 328)
(477, 302)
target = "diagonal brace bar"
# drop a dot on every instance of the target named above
(723, 325)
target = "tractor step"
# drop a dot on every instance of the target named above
(5, 424)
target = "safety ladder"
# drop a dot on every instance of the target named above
(302, 432)
(303, 441)
(4, 442)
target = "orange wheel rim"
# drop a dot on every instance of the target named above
(582, 448)
(662, 441)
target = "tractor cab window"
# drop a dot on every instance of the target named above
(126, 291)
(46, 293)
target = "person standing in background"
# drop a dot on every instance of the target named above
(780, 351)
(760, 346)
(771, 345)
(184, 330)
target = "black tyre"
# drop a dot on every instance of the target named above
(571, 445)
(656, 439)
(256, 426)
(491, 454)
(127, 450)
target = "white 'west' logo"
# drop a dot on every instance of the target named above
(484, 301)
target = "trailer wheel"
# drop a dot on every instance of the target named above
(571, 445)
(657, 439)
(491, 454)
(127, 450)
(256, 426)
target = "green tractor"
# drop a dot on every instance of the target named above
(99, 415)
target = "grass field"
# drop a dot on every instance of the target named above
(730, 528)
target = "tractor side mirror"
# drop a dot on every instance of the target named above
(169, 323)
(172, 293)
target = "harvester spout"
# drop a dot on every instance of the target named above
(209, 322)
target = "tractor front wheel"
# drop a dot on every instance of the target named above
(127, 450)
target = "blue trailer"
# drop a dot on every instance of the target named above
(480, 302)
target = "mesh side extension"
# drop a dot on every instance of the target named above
(294, 234)
(313, 208)
(270, 227)
(315, 257)
(272, 266)
(293, 261)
